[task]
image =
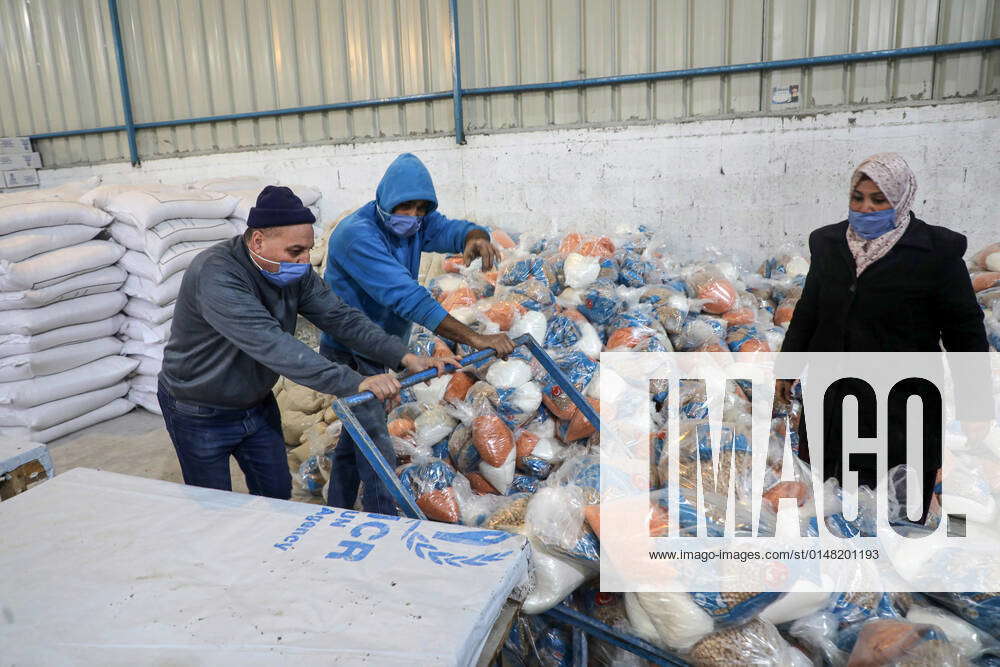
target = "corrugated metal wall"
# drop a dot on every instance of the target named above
(205, 57)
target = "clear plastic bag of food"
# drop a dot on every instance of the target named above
(493, 440)
(712, 288)
(756, 642)
(980, 609)
(987, 259)
(531, 294)
(310, 475)
(580, 270)
(897, 642)
(520, 270)
(519, 405)
(562, 332)
(578, 427)
(746, 339)
(536, 455)
(700, 333)
(970, 641)
(634, 270)
(529, 322)
(989, 298)
(431, 482)
(600, 302)
(833, 511)
(594, 246)
(789, 261)
(499, 312)
(671, 307)
(433, 425)
(783, 313)
(983, 280)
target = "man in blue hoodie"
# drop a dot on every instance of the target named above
(373, 263)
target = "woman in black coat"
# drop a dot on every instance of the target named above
(885, 281)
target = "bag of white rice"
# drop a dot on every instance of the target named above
(28, 322)
(49, 414)
(161, 294)
(58, 265)
(18, 214)
(146, 400)
(148, 311)
(100, 281)
(147, 333)
(146, 206)
(115, 408)
(89, 377)
(158, 240)
(13, 344)
(177, 258)
(57, 359)
(30, 242)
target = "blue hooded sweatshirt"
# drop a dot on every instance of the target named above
(375, 270)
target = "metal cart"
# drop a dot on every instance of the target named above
(579, 622)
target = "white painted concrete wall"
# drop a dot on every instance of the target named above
(743, 186)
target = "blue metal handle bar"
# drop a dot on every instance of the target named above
(403, 497)
(536, 351)
(565, 614)
(423, 376)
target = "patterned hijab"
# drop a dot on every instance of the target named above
(896, 181)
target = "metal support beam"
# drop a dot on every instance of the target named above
(458, 93)
(116, 32)
(457, 74)
(564, 614)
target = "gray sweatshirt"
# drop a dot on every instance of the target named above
(232, 333)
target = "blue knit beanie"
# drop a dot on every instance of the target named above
(278, 206)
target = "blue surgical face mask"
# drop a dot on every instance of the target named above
(288, 273)
(872, 225)
(402, 225)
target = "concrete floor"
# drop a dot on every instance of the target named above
(136, 444)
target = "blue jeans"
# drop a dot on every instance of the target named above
(350, 467)
(205, 437)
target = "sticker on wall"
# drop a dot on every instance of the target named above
(785, 94)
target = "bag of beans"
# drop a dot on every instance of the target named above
(754, 643)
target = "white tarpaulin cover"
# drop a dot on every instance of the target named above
(106, 569)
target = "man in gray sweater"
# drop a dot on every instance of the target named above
(232, 336)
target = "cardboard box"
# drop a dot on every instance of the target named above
(20, 178)
(9, 161)
(15, 145)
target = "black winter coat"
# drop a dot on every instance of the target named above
(914, 298)
(919, 293)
